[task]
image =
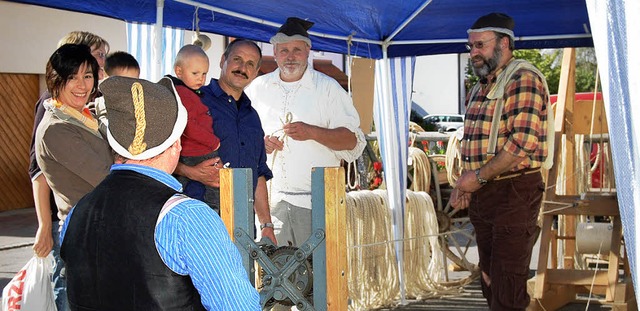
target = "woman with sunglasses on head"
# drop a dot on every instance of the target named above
(70, 151)
(46, 239)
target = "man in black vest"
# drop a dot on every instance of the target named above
(135, 242)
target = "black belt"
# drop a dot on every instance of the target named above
(519, 173)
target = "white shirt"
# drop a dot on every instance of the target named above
(316, 99)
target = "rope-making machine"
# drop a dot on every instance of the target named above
(311, 276)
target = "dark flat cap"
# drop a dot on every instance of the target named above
(498, 22)
(293, 29)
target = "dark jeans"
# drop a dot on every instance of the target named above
(58, 276)
(195, 189)
(504, 214)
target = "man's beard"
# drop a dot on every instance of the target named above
(488, 65)
(293, 72)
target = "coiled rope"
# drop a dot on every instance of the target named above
(421, 170)
(373, 274)
(453, 159)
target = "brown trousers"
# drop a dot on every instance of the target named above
(504, 215)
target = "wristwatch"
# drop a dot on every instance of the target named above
(481, 180)
(266, 225)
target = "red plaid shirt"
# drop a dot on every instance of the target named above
(523, 125)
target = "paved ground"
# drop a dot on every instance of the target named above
(17, 229)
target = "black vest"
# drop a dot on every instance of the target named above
(111, 259)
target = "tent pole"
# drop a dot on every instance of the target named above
(157, 43)
(407, 21)
(392, 168)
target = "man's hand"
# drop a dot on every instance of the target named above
(272, 143)
(206, 172)
(299, 130)
(459, 199)
(468, 182)
(269, 233)
(44, 241)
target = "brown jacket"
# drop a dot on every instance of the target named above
(73, 158)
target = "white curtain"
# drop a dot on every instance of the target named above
(615, 26)
(140, 44)
(393, 88)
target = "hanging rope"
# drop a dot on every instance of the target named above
(287, 119)
(421, 170)
(353, 183)
(453, 160)
(373, 279)
(350, 62)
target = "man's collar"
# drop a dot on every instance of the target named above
(219, 92)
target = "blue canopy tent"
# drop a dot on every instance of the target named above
(407, 28)
(390, 29)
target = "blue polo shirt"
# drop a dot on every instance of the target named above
(238, 126)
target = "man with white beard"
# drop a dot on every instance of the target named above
(309, 121)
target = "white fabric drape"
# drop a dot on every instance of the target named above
(616, 36)
(393, 88)
(140, 45)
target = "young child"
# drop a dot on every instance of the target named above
(116, 64)
(199, 143)
(122, 64)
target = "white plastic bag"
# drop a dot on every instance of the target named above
(31, 288)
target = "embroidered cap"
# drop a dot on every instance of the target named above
(145, 118)
(293, 29)
(498, 22)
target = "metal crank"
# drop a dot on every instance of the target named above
(287, 274)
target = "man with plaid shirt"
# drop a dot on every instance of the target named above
(504, 147)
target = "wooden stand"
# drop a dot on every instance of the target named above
(329, 222)
(555, 286)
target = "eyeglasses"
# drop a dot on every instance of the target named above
(478, 44)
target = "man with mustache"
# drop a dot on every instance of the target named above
(238, 127)
(506, 142)
(310, 121)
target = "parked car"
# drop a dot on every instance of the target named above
(445, 122)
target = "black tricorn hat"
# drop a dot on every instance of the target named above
(498, 22)
(293, 29)
(145, 118)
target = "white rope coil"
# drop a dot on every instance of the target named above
(453, 160)
(373, 273)
(421, 170)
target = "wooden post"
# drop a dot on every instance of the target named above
(236, 208)
(614, 259)
(565, 105)
(329, 213)
(545, 243)
(226, 200)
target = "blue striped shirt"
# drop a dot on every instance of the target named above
(192, 240)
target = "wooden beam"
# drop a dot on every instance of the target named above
(576, 277)
(554, 298)
(614, 258)
(586, 117)
(336, 235)
(596, 205)
(543, 256)
(226, 200)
